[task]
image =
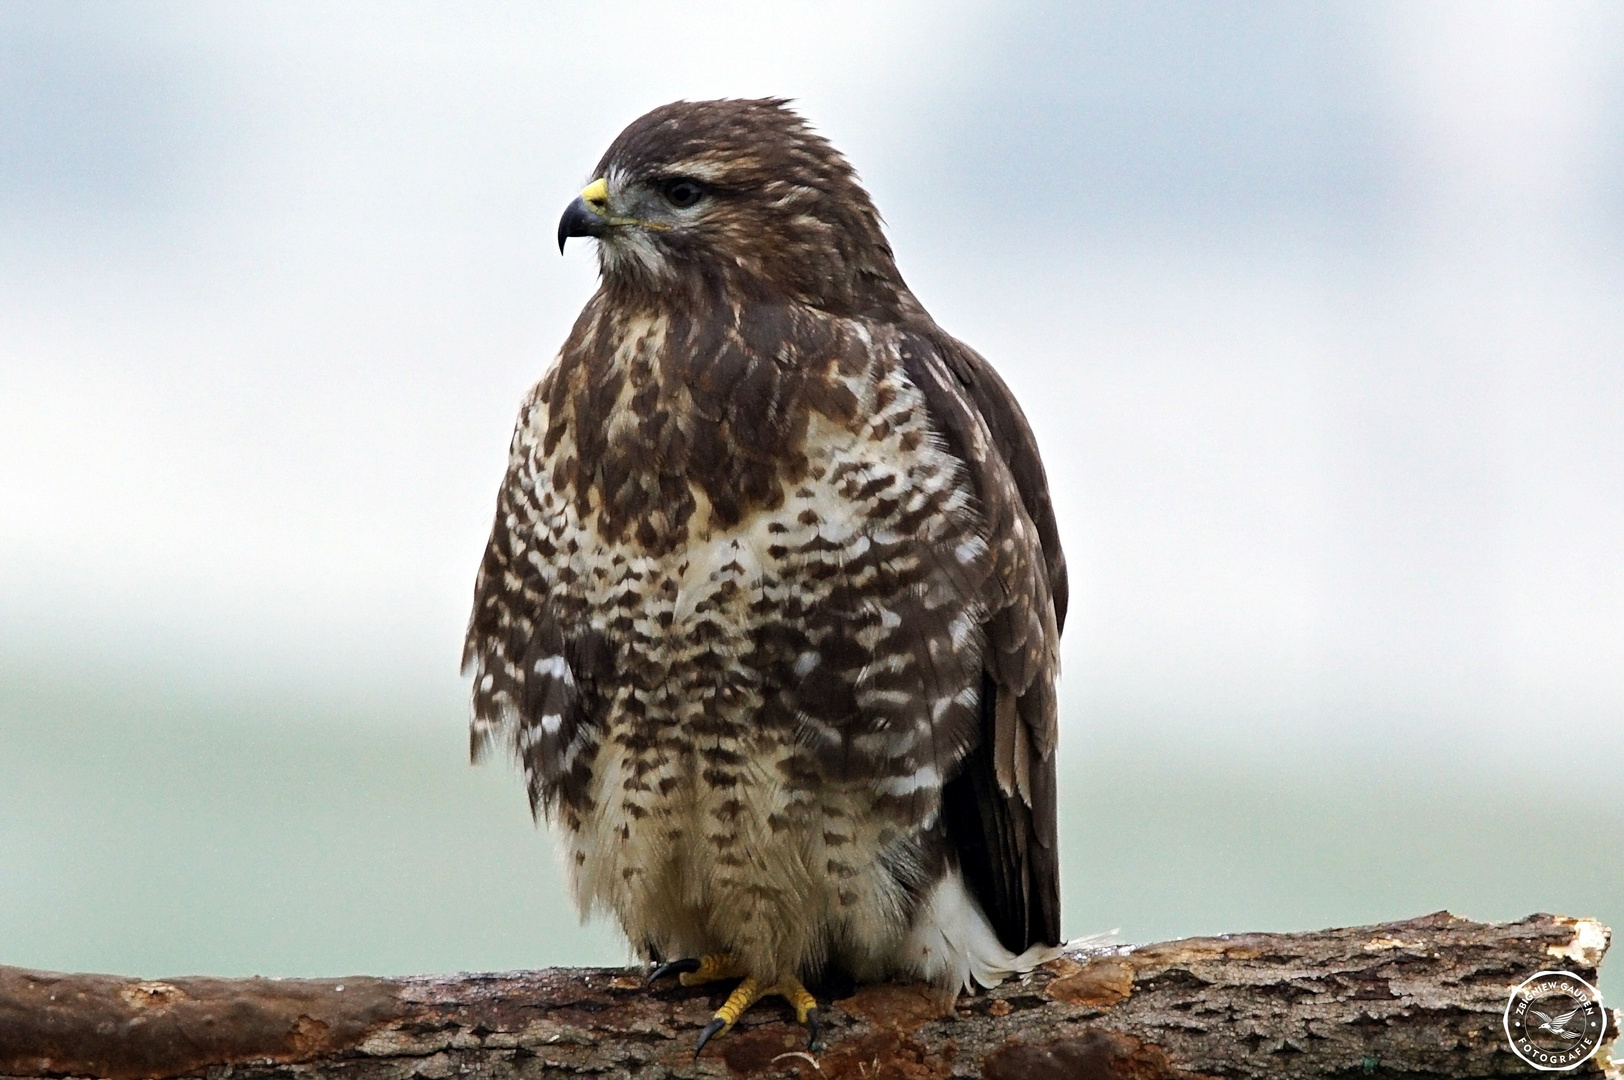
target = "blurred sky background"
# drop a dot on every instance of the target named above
(1317, 310)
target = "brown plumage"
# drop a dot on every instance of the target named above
(771, 610)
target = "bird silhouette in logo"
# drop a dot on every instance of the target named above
(1558, 1025)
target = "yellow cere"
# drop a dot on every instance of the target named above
(596, 195)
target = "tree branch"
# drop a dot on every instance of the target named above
(1421, 998)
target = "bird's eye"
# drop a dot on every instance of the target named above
(682, 192)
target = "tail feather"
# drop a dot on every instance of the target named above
(953, 945)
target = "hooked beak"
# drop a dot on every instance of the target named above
(588, 215)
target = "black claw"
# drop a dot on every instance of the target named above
(705, 1036)
(814, 1032)
(675, 967)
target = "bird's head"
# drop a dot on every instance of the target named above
(739, 196)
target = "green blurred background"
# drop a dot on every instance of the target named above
(1315, 310)
(160, 832)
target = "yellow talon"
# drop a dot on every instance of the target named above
(743, 996)
(690, 972)
(797, 995)
(713, 967)
(748, 992)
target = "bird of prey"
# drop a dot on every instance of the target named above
(1557, 1025)
(770, 614)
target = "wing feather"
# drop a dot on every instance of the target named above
(1000, 807)
(531, 664)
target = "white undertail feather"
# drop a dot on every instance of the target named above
(953, 945)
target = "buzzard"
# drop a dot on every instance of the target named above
(770, 614)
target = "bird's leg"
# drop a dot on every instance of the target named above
(743, 996)
(805, 1006)
(711, 967)
(748, 993)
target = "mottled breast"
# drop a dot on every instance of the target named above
(729, 546)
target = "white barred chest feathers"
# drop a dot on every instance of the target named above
(783, 694)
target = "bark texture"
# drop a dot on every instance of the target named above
(1420, 998)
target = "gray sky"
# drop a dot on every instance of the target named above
(1316, 310)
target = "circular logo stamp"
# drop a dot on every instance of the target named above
(1555, 1020)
